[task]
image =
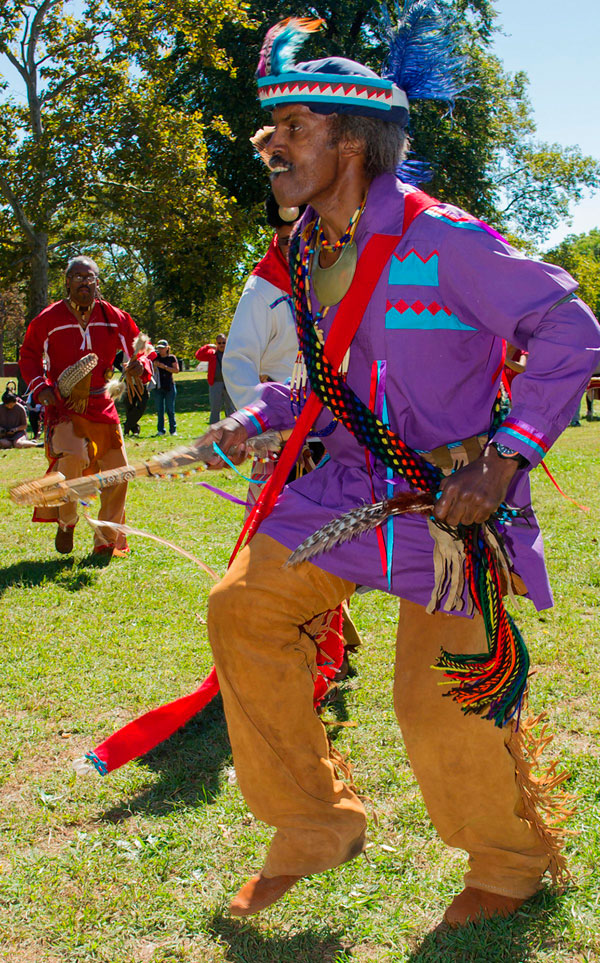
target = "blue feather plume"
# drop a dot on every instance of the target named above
(422, 59)
(414, 172)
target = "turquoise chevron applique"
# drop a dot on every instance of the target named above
(414, 269)
(423, 317)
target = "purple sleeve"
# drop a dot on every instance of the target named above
(496, 290)
(272, 409)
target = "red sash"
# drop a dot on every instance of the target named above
(143, 734)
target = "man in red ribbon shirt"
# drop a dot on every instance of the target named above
(217, 392)
(89, 439)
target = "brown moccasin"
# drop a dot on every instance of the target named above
(474, 905)
(63, 542)
(259, 892)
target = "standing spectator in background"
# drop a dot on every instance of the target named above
(35, 415)
(592, 393)
(13, 423)
(165, 366)
(217, 392)
(135, 398)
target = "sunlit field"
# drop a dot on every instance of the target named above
(138, 867)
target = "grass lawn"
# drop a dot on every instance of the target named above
(138, 867)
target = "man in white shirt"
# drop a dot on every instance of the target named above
(262, 344)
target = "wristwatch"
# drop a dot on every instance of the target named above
(505, 452)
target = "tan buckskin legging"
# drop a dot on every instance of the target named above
(265, 663)
(72, 453)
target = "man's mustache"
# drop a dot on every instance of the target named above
(277, 163)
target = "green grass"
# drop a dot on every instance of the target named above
(138, 867)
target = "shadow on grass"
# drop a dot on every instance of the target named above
(61, 571)
(514, 940)
(190, 764)
(246, 944)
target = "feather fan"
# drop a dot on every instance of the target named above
(281, 43)
(357, 521)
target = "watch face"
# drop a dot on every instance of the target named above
(504, 451)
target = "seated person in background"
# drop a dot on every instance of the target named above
(514, 364)
(13, 423)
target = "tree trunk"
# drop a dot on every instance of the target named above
(38, 283)
(2, 351)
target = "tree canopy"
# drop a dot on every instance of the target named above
(95, 155)
(132, 145)
(579, 254)
(484, 153)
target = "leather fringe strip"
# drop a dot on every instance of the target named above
(547, 806)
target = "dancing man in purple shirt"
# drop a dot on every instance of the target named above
(422, 373)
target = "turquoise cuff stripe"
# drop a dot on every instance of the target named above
(527, 441)
(255, 422)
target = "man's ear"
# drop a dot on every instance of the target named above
(351, 148)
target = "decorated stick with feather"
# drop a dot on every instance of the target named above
(55, 489)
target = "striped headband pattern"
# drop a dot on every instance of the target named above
(301, 87)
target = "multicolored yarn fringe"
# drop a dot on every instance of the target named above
(491, 683)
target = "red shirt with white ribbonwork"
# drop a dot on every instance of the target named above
(55, 340)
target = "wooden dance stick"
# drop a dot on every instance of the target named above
(55, 489)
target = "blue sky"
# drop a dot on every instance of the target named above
(557, 44)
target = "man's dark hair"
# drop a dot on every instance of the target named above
(9, 397)
(274, 218)
(384, 144)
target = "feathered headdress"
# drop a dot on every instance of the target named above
(422, 63)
